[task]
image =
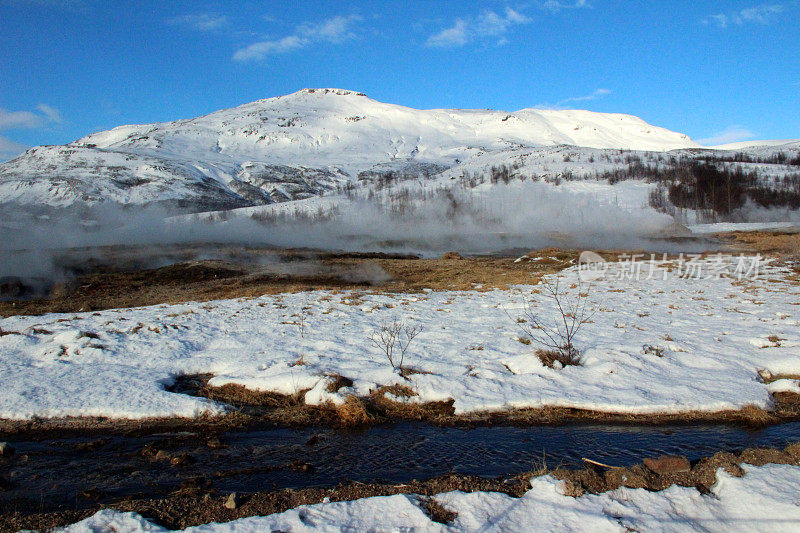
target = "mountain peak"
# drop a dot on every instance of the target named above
(302, 144)
(326, 91)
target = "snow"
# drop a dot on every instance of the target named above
(715, 336)
(324, 136)
(311, 143)
(766, 499)
(755, 144)
(722, 227)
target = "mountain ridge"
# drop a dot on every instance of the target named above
(297, 146)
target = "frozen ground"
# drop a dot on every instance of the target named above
(666, 344)
(720, 227)
(765, 499)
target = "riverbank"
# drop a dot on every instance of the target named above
(432, 502)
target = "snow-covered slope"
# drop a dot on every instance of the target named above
(788, 143)
(297, 146)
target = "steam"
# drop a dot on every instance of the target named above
(54, 244)
(752, 212)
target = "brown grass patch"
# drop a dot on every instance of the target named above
(239, 395)
(256, 408)
(401, 391)
(769, 377)
(212, 280)
(411, 371)
(353, 412)
(438, 512)
(765, 242)
(549, 358)
(337, 382)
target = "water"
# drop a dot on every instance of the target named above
(50, 475)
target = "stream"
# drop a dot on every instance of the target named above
(78, 472)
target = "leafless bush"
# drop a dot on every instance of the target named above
(557, 335)
(393, 339)
(301, 318)
(649, 349)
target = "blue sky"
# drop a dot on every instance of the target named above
(719, 71)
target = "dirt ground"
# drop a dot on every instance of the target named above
(195, 504)
(203, 280)
(116, 277)
(765, 242)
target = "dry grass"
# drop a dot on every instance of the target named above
(353, 412)
(549, 358)
(765, 242)
(769, 377)
(213, 280)
(256, 408)
(239, 395)
(401, 391)
(337, 382)
(437, 512)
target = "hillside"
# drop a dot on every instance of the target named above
(298, 146)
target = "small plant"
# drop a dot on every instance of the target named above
(301, 317)
(557, 359)
(393, 339)
(649, 349)
(557, 336)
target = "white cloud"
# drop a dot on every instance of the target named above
(334, 31)
(201, 21)
(51, 113)
(731, 134)
(487, 24)
(19, 119)
(761, 14)
(456, 35)
(14, 120)
(10, 149)
(594, 95)
(554, 6)
(10, 120)
(262, 49)
(597, 93)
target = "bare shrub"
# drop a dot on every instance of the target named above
(557, 336)
(650, 349)
(549, 358)
(302, 315)
(393, 339)
(300, 319)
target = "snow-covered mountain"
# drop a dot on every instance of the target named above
(298, 146)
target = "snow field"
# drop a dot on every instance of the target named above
(714, 336)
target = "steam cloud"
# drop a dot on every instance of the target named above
(520, 217)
